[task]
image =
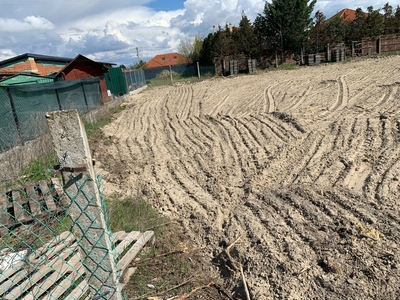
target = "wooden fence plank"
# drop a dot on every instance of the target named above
(20, 213)
(5, 218)
(78, 292)
(66, 284)
(44, 187)
(39, 274)
(63, 199)
(132, 236)
(34, 200)
(62, 267)
(49, 264)
(131, 254)
(119, 236)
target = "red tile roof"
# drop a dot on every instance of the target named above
(165, 60)
(346, 14)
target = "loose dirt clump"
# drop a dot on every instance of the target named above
(303, 165)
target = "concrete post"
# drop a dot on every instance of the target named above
(328, 52)
(70, 142)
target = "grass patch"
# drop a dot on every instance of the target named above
(133, 214)
(170, 266)
(40, 169)
(288, 67)
(93, 128)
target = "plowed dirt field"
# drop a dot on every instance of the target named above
(304, 165)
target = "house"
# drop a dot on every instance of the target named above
(33, 63)
(83, 67)
(346, 14)
(165, 60)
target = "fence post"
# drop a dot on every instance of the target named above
(86, 210)
(15, 116)
(84, 96)
(58, 100)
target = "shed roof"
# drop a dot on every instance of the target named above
(81, 58)
(23, 78)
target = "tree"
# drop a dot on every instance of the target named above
(357, 29)
(191, 48)
(139, 65)
(317, 34)
(286, 24)
(374, 22)
(388, 19)
(245, 38)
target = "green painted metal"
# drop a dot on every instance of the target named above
(24, 79)
(116, 81)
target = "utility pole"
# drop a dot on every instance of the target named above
(137, 54)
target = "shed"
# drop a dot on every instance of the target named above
(25, 79)
(83, 67)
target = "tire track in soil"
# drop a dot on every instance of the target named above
(301, 99)
(269, 102)
(305, 200)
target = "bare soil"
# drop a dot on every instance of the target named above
(302, 164)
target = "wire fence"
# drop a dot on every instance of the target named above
(44, 252)
(134, 79)
(23, 107)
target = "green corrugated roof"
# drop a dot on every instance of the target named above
(25, 79)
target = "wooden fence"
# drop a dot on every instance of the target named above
(55, 270)
(24, 204)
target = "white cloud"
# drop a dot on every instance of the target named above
(6, 53)
(111, 30)
(29, 23)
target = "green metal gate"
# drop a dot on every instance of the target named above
(116, 82)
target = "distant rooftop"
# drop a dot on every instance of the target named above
(346, 14)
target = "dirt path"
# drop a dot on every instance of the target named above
(304, 164)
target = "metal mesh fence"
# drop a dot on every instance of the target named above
(134, 79)
(44, 252)
(22, 107)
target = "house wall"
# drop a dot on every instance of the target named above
(87, 70)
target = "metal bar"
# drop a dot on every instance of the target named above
(84, 96)
(58, 99)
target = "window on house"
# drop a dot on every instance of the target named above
(175, 57)
(163, 58)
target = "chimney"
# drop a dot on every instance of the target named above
(214, 30)
(230, 28)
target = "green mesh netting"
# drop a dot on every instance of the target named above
(8, 130)
(22, 118)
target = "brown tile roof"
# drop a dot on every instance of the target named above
(346, 14)
(165, 60)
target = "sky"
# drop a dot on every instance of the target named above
(123, 31)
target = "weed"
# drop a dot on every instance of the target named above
(93, 128)
(40, 168)
(133, 214)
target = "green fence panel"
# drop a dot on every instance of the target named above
(32, 101)
(93, 95)
(8, 129)
(30, 107)
(72, 98)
